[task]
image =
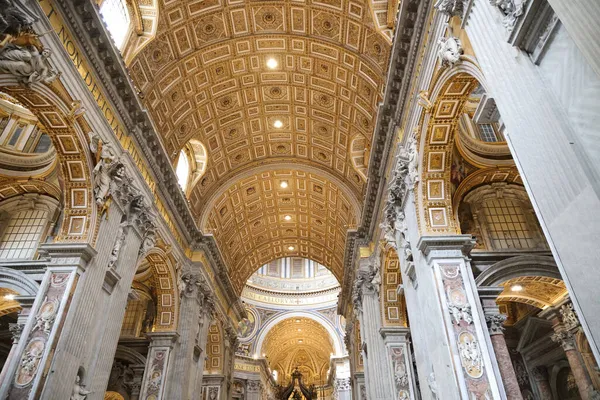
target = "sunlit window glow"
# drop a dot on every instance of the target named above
(116, 17)
(183, 170)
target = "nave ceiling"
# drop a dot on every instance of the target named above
(204, 77)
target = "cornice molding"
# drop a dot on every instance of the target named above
(405, 48)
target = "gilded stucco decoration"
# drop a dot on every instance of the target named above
(393, 303)
(213, 363)
(144, 16)
(156, 271)
(537, 291)
(205, 77)
(53, 108)
(256, 221)
(299, 342)
(436, 162)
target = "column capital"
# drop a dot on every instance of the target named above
(16, 330)
(495, 323)
(565, 338)
(446, 246)
(67, 254)
(568, 316)
(166, 339)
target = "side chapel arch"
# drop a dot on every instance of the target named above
(161, 272)
(52, 106)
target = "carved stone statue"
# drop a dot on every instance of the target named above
(114, 255)
(27, 63)
(413, 162)
(450, 50)
(102, 173)
(451, 8)
(512, 10)
(79, 391)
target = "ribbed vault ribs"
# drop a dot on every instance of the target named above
(205, 77)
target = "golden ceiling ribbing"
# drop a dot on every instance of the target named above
(205, 77)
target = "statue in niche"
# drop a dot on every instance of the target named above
(150, 312)
(79, 390)
(114, 255)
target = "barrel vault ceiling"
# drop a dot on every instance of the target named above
(205, 77)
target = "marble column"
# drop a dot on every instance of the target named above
(206, 317)
(195, 298)
(452, 347)
(540, 378)
(138, 376)
(26, 302)
(567, 341)
(378, 374)
(41, 340)
(550, 149)
(342, 389)
(397, 342)
(158, 362)
(495, 321)
(253, 388)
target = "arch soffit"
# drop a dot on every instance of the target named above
(126, 354)
(218, 36)
(520, 266)
(482, 177)
(49, 105)
(264, 330)
(165, 283)
(249, 225)
(145, 24)
(451, 89)
(18, 282)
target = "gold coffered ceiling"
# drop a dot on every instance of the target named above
(249, 221)
(205, 77)
(299, 342)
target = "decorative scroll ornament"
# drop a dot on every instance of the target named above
(460, 312)
(254, 386)
(450, 50)
(565, 339)
(512, 10)
(495, 323)
(21, 51)
(451, 8)
(569, 317)
(44, 320)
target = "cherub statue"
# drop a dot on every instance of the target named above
(450, 50)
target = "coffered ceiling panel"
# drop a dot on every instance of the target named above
(256, 220)
(205, 76)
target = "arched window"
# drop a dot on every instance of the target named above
(24, 223)
(502, 218)
(116, 17)
(183, 170)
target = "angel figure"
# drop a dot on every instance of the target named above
(27, 64)
(102, 175)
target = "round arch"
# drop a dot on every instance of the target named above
(450, 90)
(337, 343)
(162, 274)
(18, 282)
(55, 113)
(520, 266)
